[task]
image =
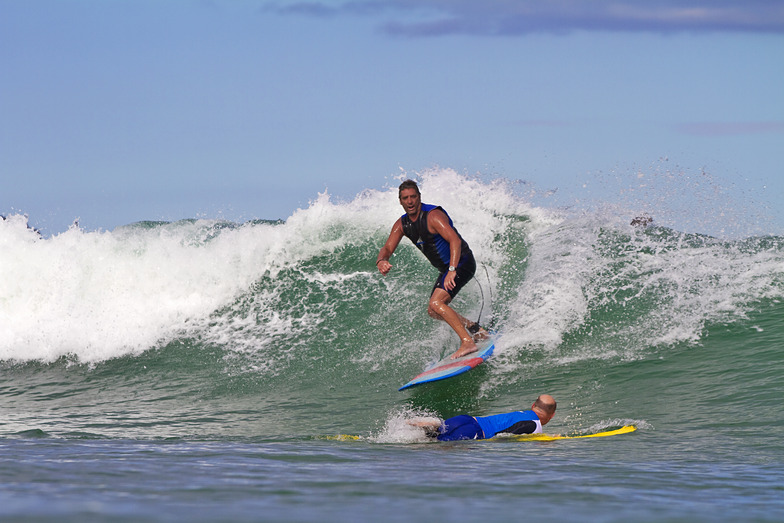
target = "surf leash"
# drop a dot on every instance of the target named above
(482, 292)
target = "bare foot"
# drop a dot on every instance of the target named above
(477, 332)
(480, 335)
(467, 347)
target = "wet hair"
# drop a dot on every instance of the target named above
(546, 405)
(408, 184)
(642, 221)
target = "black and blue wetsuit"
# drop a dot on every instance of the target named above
(436, 249)
(485, 427)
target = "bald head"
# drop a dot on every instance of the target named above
(544, 407)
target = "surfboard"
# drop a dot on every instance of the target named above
(544, 437)
(517, 437)
(342, 437)
(447, 367)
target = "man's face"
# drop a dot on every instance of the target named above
(411, 201)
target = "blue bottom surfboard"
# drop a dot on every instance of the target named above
(447, 367)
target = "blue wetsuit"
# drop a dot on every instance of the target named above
(436, 248)
(485, 427)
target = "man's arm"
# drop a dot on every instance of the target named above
(382, 261)
(521, 427)
(431, 425)
(437, 222)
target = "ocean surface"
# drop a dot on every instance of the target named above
(201, 370)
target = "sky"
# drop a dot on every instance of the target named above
(118, 111)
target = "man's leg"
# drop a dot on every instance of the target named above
(439, 309)
(477, 332)
(460, 427)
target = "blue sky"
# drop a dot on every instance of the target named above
(115, 111)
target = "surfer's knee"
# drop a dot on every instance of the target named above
(439, 304)
(433, 312)
(436, 302)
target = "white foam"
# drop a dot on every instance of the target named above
(98, 295)
(673, 284)
(399, 427)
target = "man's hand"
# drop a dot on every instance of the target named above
(449, 280)
(384, 266)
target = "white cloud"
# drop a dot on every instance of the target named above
(520, 17)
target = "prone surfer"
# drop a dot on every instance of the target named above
(430, 228)
(485, 427)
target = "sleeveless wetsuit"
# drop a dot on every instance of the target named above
(436, 248)
(485, 427)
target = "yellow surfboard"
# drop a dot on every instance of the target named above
(341, 437)
(518, 437)
(544, 437)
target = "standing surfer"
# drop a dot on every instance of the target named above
(430, 228)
